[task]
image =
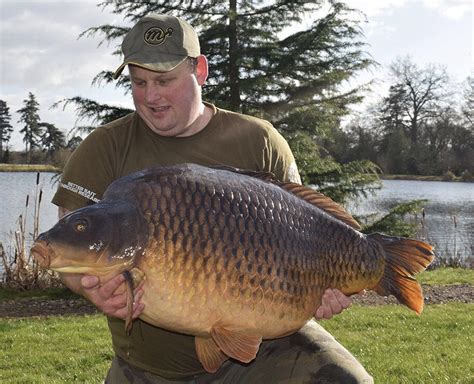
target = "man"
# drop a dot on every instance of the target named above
(173, 125)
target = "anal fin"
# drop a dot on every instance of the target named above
(238, 345)
(209, 354)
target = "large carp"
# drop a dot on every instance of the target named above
(229, 256)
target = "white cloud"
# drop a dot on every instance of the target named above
(452, 9)
(374, 7)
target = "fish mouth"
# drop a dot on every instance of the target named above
(41, 253)
(92, 270)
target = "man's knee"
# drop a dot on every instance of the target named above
(319, 358)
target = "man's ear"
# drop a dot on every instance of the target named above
(202, 70)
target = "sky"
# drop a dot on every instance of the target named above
(41, 52)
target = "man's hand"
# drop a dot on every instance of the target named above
(111, 297)
(333, 302)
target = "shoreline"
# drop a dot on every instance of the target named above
(29, 168)
(54, 169)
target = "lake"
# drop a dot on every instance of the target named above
(449, 213)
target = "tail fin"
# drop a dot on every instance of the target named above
(403, 259)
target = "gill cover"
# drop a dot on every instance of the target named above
(104, 233)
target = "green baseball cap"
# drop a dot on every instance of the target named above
(159, 43)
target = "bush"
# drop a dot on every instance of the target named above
(449, 176)
(467, 176)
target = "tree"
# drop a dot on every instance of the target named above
(468, 105)
(263, 61)
(31, 131)
(5, 127)
(417, 94)
(52, 139)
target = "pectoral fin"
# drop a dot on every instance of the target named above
(240, 346)
(132, 280)
(209, 354)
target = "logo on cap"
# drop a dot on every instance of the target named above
(157, 35)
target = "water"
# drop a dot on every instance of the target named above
(448, 201)
(14, 188)
(449, 212)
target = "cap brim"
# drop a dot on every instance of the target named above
(155, 67)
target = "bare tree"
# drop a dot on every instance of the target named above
(420, 93)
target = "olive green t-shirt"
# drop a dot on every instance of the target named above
(127, 145)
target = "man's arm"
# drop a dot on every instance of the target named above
(110, 297)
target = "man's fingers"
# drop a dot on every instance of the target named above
(333, 302)
(339, 301)
(89, 282)
(110, 287)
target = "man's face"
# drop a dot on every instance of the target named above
(170, 102)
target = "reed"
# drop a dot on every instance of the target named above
(448, 253)
(20, 270)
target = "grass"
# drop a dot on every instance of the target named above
(73, 349)
(395, 345)
(447, 276)
(28, 168)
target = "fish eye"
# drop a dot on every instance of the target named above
(81, 225)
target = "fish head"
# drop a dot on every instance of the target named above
(102, 239)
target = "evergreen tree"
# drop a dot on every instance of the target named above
(5, 128)
(273, 59)
(31, 130)
(52, 139)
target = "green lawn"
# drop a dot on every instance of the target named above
(395, 345)
(69, 349)
(447, 276)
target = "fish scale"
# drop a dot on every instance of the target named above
(228, 255)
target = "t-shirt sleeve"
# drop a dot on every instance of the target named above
(87, 173)
(280, 158)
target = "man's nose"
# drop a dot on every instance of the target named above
(152, 94)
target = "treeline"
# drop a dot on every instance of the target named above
(44, 142)
(424, 126)
(264, 61)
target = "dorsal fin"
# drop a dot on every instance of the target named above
(321, 201)
(308, 194)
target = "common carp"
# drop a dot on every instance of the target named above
(229, 256)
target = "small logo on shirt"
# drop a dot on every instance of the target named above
(80, 190)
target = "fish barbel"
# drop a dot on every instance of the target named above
(229, 256)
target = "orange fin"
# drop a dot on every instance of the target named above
(403, 259)
(240, 346)
(322, 202)
(209, 354)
